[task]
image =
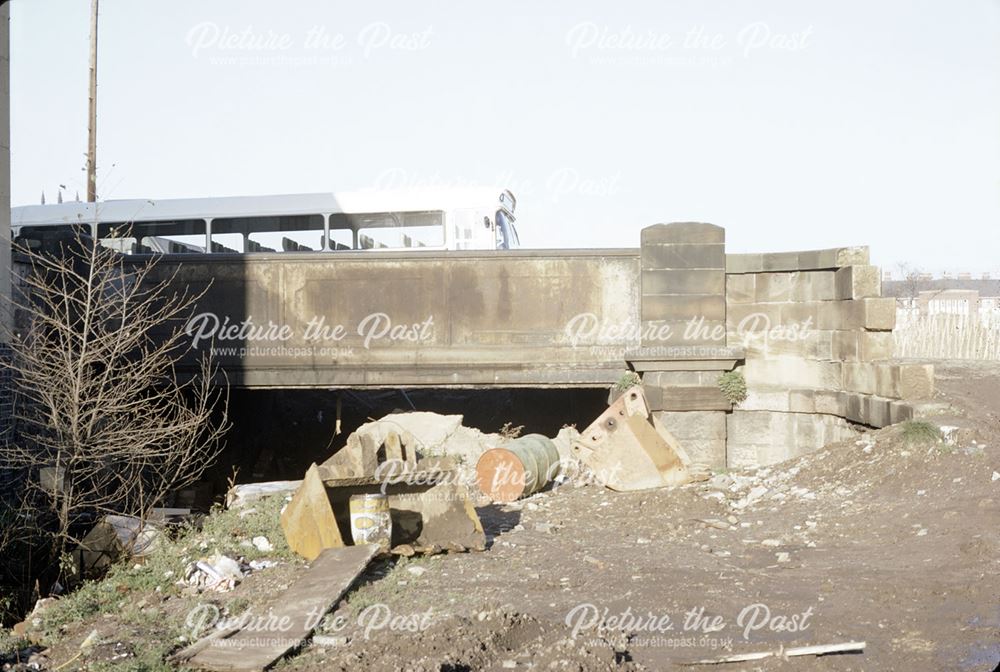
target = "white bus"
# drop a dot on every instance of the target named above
(452, 219)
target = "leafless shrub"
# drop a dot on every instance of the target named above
(105, 422)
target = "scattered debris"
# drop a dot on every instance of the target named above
(218, 572)
(246, 493)
(113, 538)
(818, 650)
(262, 544)
(330, 641)
(299, 610)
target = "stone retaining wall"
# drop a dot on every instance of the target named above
(818, 339)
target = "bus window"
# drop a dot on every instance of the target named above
(397, 229)
(341, 239)
(50, 238)
(280, 233)
(184, 236)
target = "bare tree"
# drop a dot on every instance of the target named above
(105, 423)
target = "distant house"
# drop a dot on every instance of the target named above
(946, 295)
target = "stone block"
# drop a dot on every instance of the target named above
(781, 261)
(765, 437)
(807, 260)
(809, 345)
(705, 454)
(802, 401)
(744, 263)
(766, 399)
(686, 398)
(679, 256)
(753, 317)
(793, 372)
(795, 286)
(669, 378)
(877, 411)
(867, 409)
(862, 346)
(916, 381)
(741, 288)
(711, 307)
(858, 282)
(854, 407)
(694, 424)
(686, 281)
(906, 381)
(859, 377)
(873, 314)
(829, 402)
(683, 232)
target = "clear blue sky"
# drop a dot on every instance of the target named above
(793, 124)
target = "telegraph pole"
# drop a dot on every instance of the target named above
(92, 116)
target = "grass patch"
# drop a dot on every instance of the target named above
(126, 582)
(920, 432)
(628, 380)
(10, 644)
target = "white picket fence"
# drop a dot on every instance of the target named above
(947, 336)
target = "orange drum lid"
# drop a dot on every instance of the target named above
(500, 474)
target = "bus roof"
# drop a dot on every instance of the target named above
(368, 201)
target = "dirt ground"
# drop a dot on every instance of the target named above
(883, 540)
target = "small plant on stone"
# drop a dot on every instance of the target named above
(509, 431)
(628, 380)
(733, 386)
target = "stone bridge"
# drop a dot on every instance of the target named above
(809, 331)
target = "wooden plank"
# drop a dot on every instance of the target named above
(298, 610)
